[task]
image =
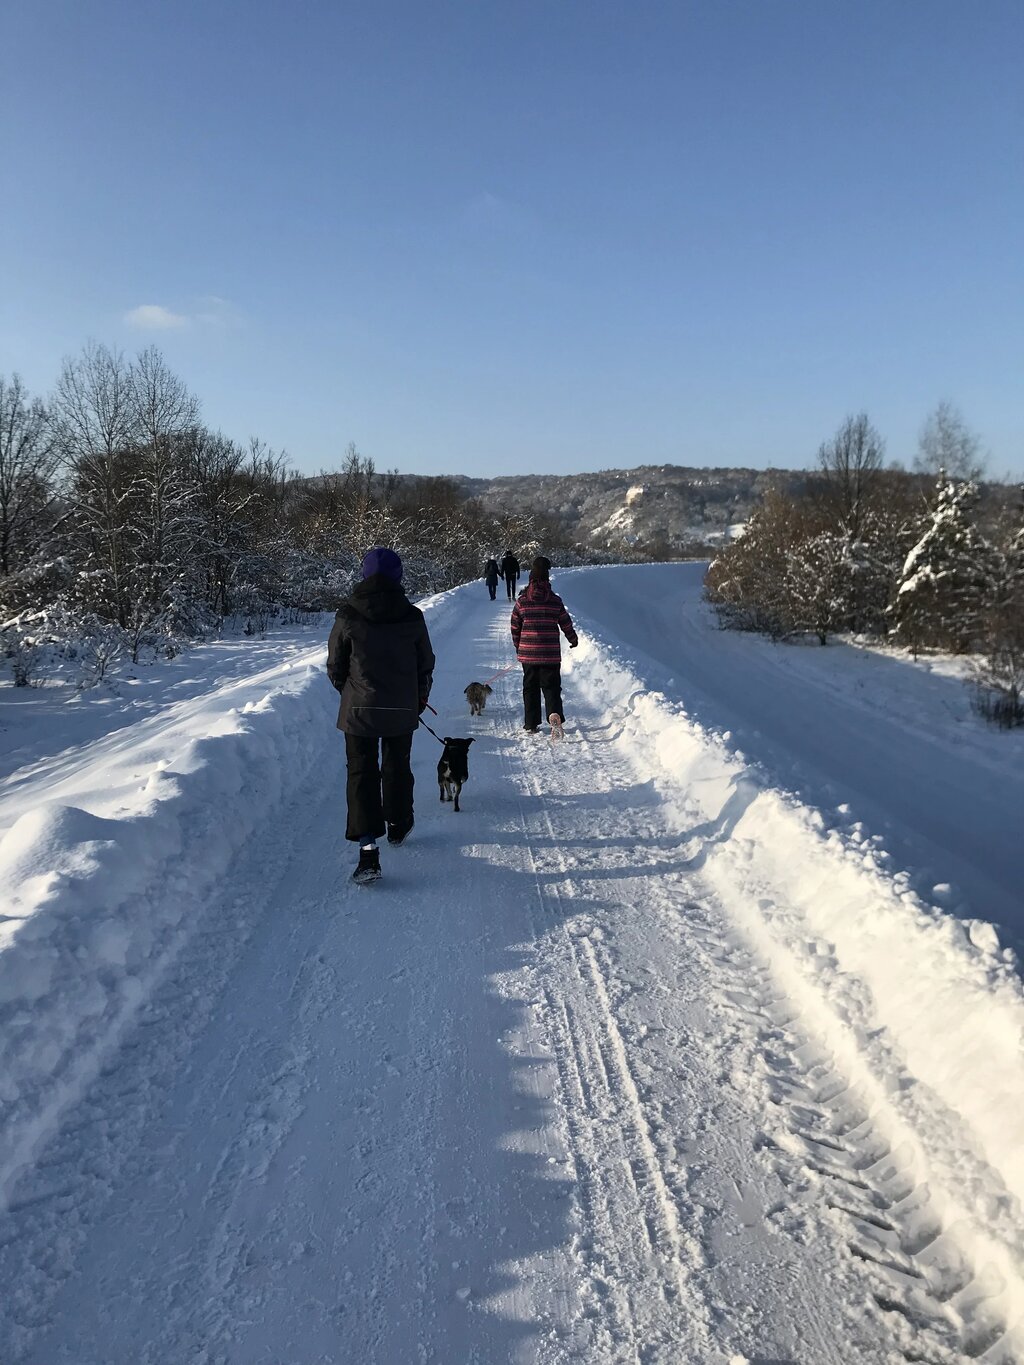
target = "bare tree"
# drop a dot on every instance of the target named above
(947, 445)
(95, 426)
(161, 521)
(850, 464)
(223, 494)
(163, 404)
(28, 462)
(94, 406)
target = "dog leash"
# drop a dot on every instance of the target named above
(500, 673)
(428, 729)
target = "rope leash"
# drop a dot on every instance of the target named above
(500, 673)
(428, 729)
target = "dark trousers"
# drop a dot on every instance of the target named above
(379, 790)
(537, 678)
(492, 588)
(510, 584)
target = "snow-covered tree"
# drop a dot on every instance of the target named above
(95, 427)
(1001, 668)
(817, 584)
(28, 464)
(947, 577)
(163, 526)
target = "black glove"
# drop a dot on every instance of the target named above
(573, 644)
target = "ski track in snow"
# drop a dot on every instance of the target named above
(538, 1096)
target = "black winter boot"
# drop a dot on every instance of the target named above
(368, 867)
(399, 831)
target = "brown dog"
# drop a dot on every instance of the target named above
(476, 695)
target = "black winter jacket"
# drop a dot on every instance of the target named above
(510, 568)
(380, 660)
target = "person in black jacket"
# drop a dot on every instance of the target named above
(510, 573)
(491, 575)
(380, 660)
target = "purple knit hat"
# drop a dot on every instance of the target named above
(382, 561)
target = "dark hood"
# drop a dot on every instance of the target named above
(380, 599)
(537, 590)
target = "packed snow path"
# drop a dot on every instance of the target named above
(575, 1081)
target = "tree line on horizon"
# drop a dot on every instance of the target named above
(926, 559)
(128, 527)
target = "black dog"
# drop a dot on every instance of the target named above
(453, 768)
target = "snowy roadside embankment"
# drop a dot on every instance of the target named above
(925, 1012)
(106, 872)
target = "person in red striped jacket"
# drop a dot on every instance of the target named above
(537, 617)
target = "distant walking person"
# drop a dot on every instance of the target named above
(380, 660)
(537, 617)
(491, 575)
(510, 573)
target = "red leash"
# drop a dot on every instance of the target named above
(500, 673)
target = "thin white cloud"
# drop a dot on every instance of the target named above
(153, 317)
(213, 311)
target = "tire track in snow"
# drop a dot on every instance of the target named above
(634, 1220)
(598, 1246)
(827, 1145)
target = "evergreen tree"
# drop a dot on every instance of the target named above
(1001, 672)
(947, 577)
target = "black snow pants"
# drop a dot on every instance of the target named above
(379, 790)
(510, 584)
(538, 678)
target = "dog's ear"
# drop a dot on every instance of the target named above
(469, 742)
(448, 739)
(488, 687)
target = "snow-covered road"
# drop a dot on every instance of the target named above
(593, 1074)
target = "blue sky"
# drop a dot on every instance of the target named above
(508, 236)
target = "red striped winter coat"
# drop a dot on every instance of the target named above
(537, 617)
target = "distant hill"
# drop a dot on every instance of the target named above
(668, 505)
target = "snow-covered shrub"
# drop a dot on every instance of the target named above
(100, 654)
(24, 661)
(760, 582)
(38, 584)
(999, 685)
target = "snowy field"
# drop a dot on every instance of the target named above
(696, 1038)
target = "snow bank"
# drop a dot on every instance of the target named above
(102, 886)
(109, 853)
(925, 1012)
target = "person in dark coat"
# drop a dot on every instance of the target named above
(510, 573)
(491, 575)
(537, 617)
(380, 660)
